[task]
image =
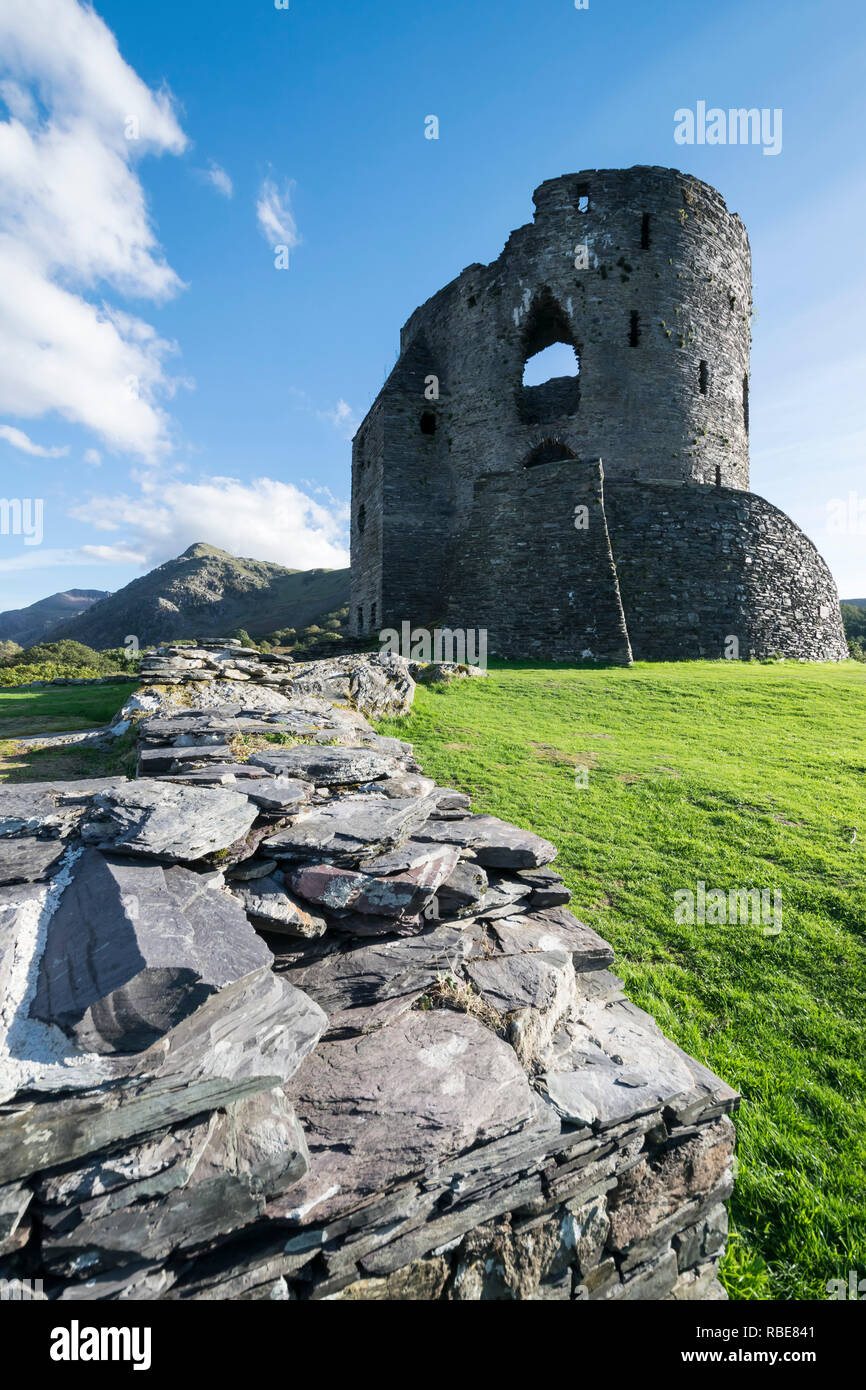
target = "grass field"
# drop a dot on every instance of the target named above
(59, 709)
(741, 775)
(62, 709)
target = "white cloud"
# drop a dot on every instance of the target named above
(262, 520)
(342, 417)
(19, 440)
(74, 558)
(92, 457)
(273, 210)
(216, 175)
(74, 222)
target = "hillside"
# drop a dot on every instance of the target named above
(206, 592)
(28, 625)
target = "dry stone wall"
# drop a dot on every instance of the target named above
(283, 1019)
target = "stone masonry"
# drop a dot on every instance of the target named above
(282, 1019)
(465, 481)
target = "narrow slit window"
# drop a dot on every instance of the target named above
(372, 615)
(634, 329)
(428, 422)
(362, 518)
(360, 618)
(746, 403)
(645, 232)
(718, 475)
(704, 378)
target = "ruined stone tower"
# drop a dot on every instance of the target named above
(602, 513)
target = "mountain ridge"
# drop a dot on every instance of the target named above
(206, 592)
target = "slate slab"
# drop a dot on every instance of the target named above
(132, 949)
(162, 820)
(346, 830)
(269, 903)
(382, 1107)
(49, 809)
(27, 859)
(327, 767)
(248, 1037)
(495, 843)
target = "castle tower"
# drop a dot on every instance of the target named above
(464, 476)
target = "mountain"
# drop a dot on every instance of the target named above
(206, 592)
(855, 602)
(28, 625)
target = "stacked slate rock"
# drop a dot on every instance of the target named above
(283, 1019)
(376, 684)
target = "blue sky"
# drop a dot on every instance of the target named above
(176, 386)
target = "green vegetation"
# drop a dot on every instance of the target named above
(854, 620)
(68, 660)
(743, 775)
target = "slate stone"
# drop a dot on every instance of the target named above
(496, 844)
(381, 1107)
(346, 831)
(48, 809)
(26, 859)
(268, 901)
(238, 775)
(161, 820)
(281, 795)
(331, 767)
(413, 854)
(612, 1070)
(463, 890)
(254, 1150)
(362, 975)
(554, 929)
(132, 949)
(402, 785)
(393, 896)
(534, 992)
(154, 762)
(547, 888)
(246, 1038)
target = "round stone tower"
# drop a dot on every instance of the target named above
(646, 276)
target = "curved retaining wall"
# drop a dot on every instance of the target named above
(699, 565)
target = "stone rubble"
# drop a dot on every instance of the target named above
(281, 1019)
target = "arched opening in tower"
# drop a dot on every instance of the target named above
(550, 386)
(548, 451)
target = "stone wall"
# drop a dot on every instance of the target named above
(329, 1035)
(715, 563)
(537, 563)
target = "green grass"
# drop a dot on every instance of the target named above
(745, 776)
(62, 709)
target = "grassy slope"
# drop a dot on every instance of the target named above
(65, 709)
(742, 775)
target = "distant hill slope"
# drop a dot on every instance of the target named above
(206, 592)
(28, 625)
(855, 602)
